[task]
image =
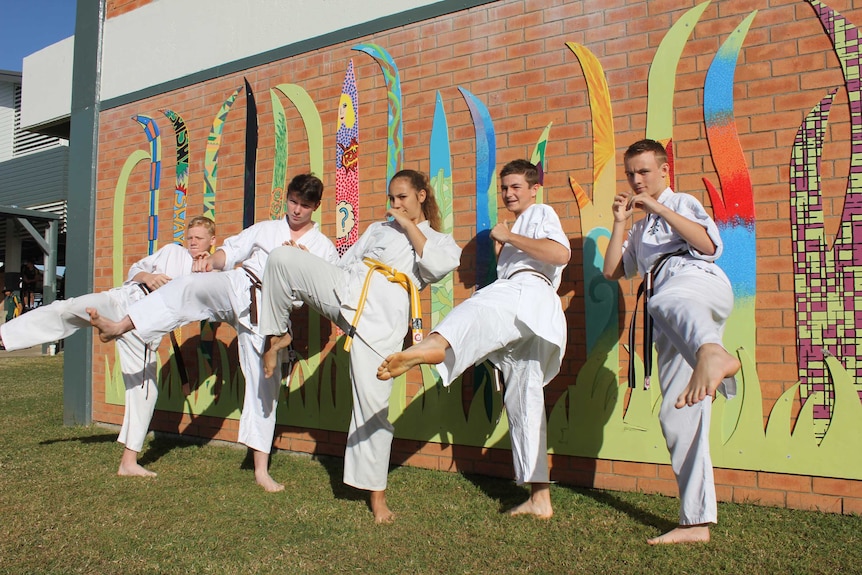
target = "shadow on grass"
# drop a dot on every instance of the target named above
(334, 467)
(104, 438)
(162, 444)
(505, 492)
(638, 514)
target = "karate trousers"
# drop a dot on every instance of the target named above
(689, 310)
(219, 297)
(62, 318)
(293, 275)
(481, 328)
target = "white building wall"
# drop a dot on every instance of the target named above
(170, 39)
(46, 91)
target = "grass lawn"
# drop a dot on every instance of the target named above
(63, 510)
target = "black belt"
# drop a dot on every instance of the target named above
(645, 290)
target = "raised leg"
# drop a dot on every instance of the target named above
(274, 344)
(109, 330)
(431, 350)
(714, 364)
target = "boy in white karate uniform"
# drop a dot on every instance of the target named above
(137, 360)
(517, 323)
(678, 242)
(231, 296)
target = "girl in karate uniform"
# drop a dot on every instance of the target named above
(368, 294)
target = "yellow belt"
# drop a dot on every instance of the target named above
(393, 276)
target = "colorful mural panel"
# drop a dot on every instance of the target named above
(250, 157)
(827, 278)
(151, 130)
(347, 165)
(181, 172)
(395, 129)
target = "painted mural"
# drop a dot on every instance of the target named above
(599, 416)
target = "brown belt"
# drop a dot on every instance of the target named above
(534, 272)
(256, 284)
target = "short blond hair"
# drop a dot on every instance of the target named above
(203, 222)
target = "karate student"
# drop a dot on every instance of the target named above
(138, 360)
(231, 296)
(677, 242)
(517, 323)
(380, 275)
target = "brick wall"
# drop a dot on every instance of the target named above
(511, 54)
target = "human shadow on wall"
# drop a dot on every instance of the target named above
(220, 383)
(175, 424)
(580, 400)
(595, 361)
(473, 450)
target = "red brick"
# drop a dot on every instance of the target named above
(852, 506)
(735, 477)
(723, 493)
(841, 487)
(784, 482)
(758, 497)
(647, 470)
(660, 486)
(614, 482)
(814, 502)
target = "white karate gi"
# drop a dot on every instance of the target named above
(64, 317)
(226, 297)
(518, 324)
(335, 292)
(691, 303)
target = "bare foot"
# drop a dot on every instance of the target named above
(683, 534)
(261, 472)
(129, 466)
(539, 503)
(265, 480)
(400, 362)
(274, 344)
(714, 364)
(135, 471)
(381, 511)
(108, 330)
